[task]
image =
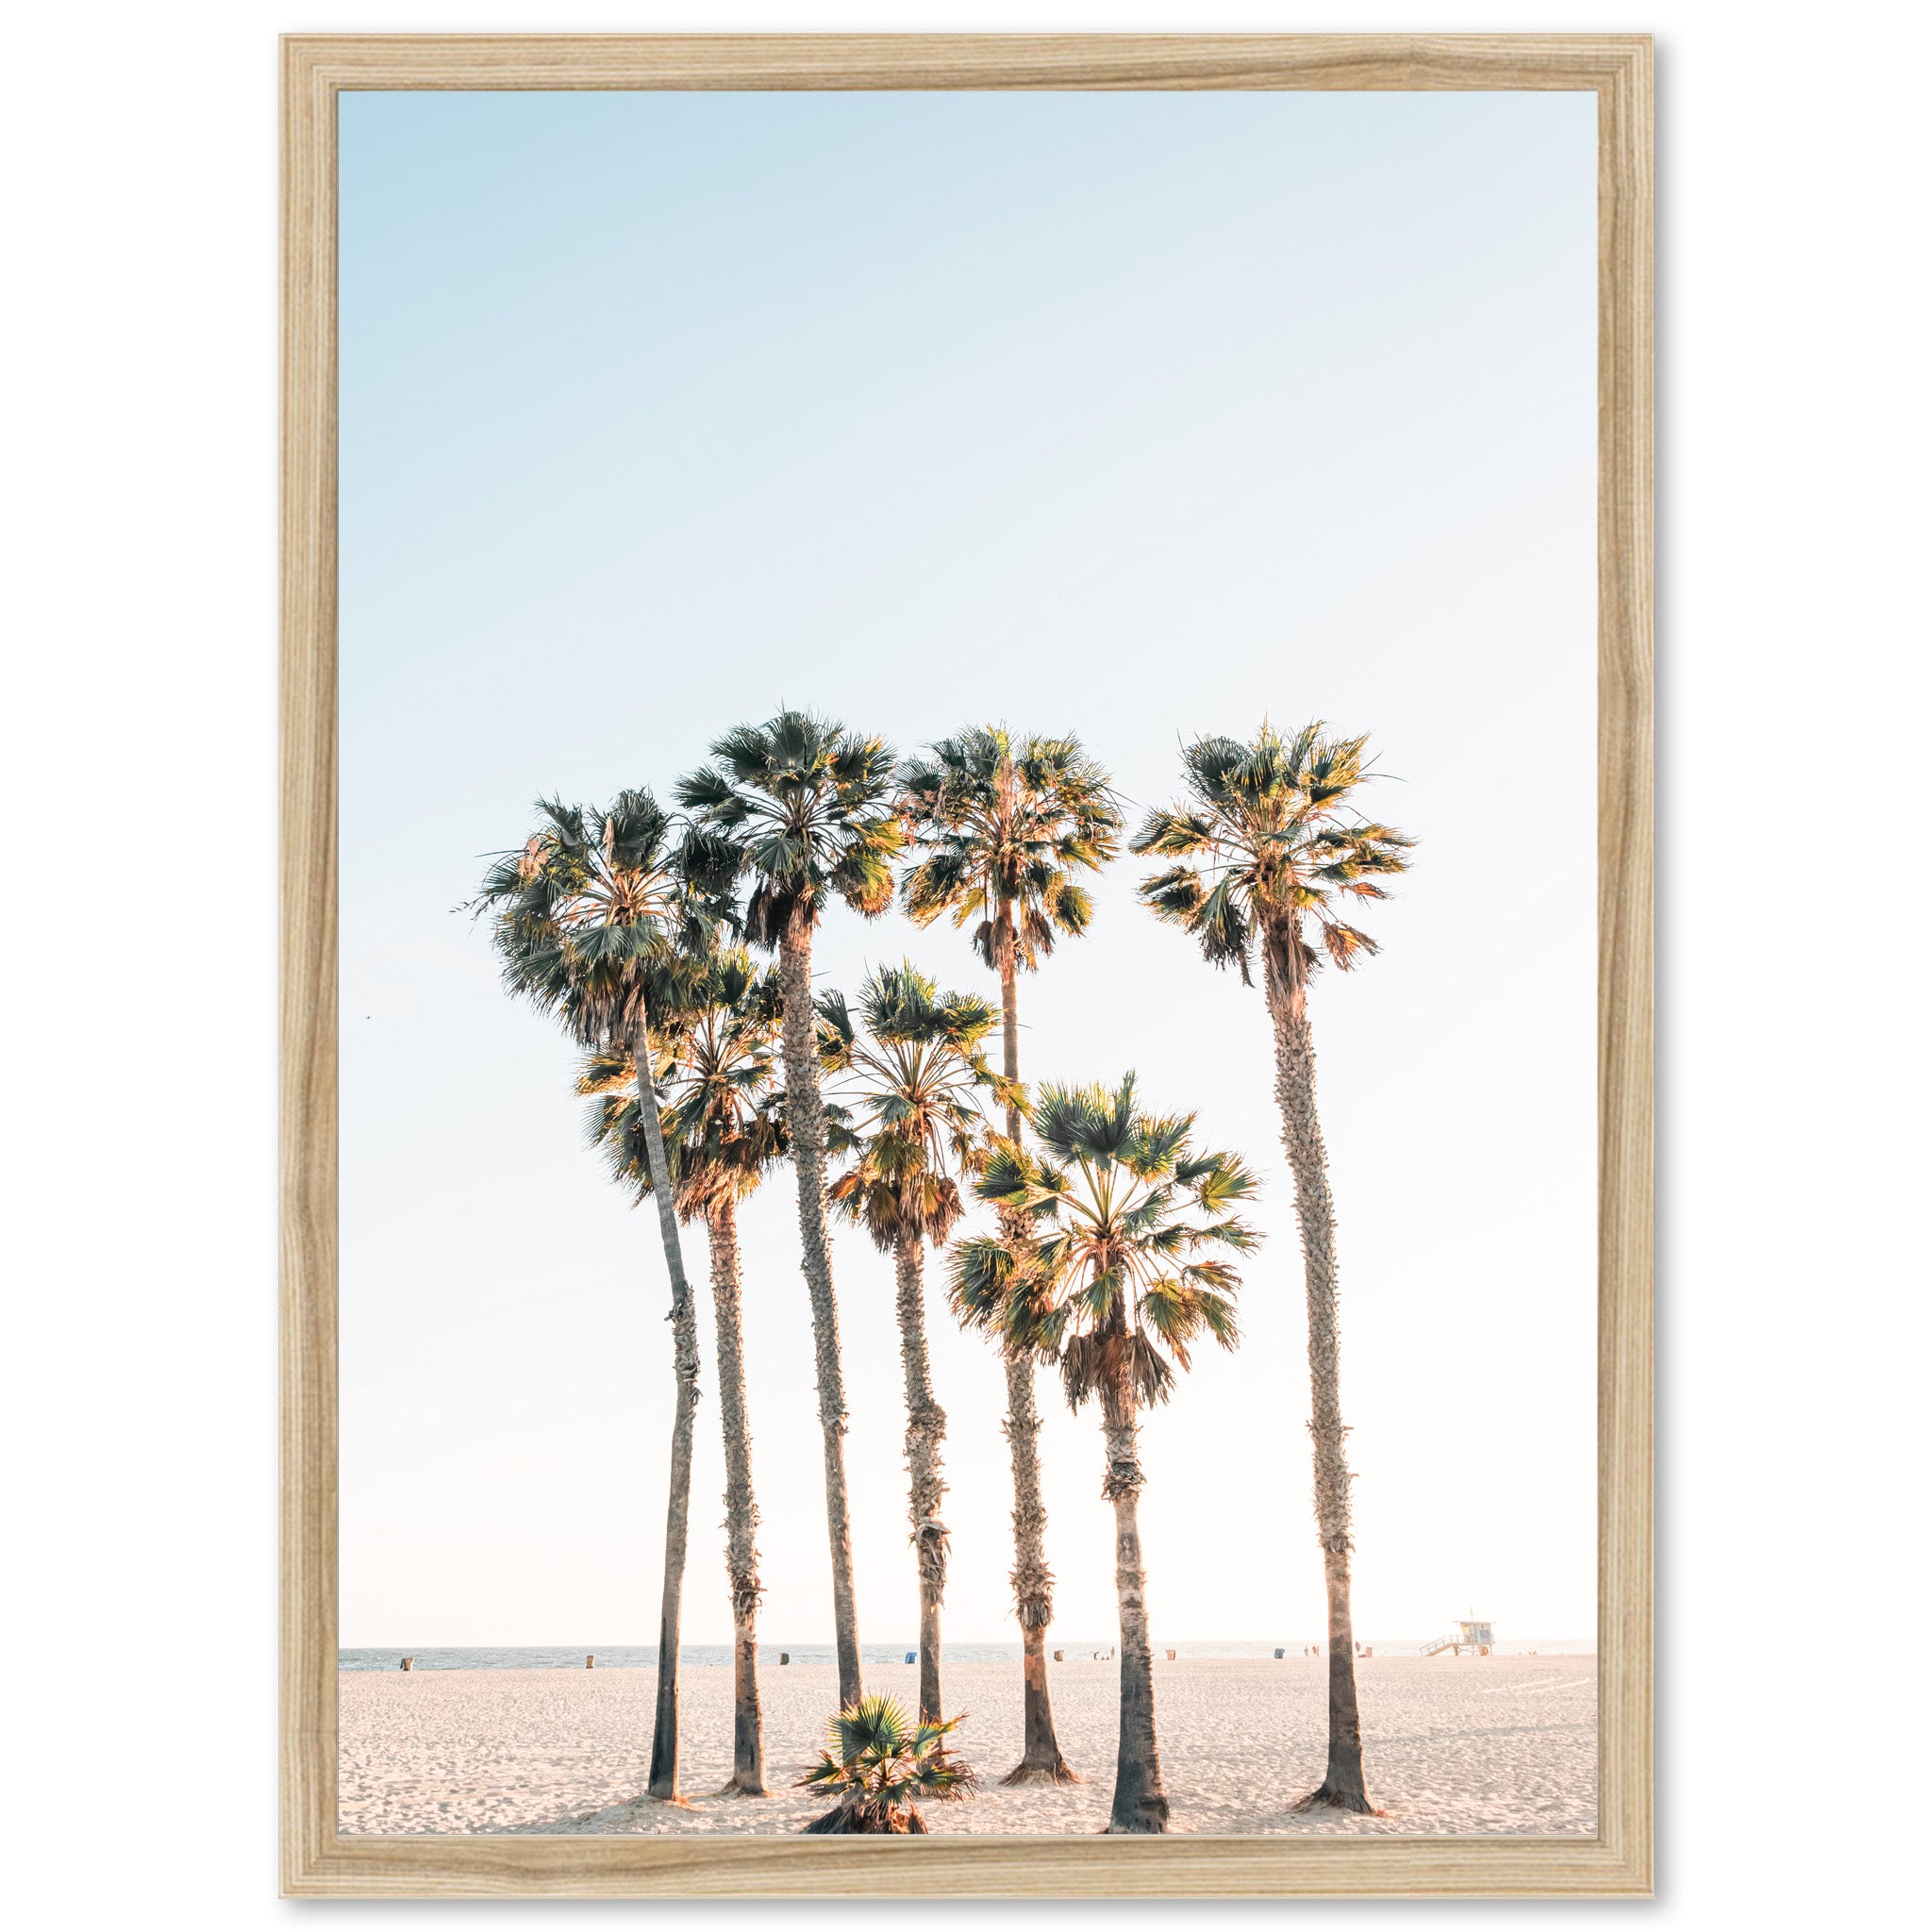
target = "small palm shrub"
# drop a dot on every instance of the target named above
(880, 1766)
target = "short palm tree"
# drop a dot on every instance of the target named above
(1268, 842)
(603, 918)
(724, 1131)
(911, 1083)
(1110, 1282)
(1004, 827)
(805, 805)
(880, 1767)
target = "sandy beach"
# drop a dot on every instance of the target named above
(1497, 1745)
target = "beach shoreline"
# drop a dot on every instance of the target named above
(1496, 1745)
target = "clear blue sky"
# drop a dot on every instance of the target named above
(1140, 415)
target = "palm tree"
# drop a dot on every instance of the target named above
(879, 1766)
(1004, 827)
(724, 1131)
(805, 804)
(601, 918)
(915, 1121)
(1269, 840)
(1107, 1284)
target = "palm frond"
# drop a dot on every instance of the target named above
(1106, 1260)
(880, 1766)
(1272, 828)
(806, 803)
(1000, 822)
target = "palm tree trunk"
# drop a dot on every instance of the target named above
(684, 1332)
(926, 1429)
(740, 1510)
(1040, 1761)
(1342, 1786)
(806, 1122)
(1139, 1804)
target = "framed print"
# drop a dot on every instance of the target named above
(888, 642)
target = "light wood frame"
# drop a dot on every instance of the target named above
(316, 1859)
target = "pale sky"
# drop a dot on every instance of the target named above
(1136, 415)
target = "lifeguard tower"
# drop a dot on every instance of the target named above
(1471, 1634)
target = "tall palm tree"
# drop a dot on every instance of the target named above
(723, 1129)
(914, 1123)
(602, 918)
(1004, 827)
(807, 805)
(1107, 1284)
(1269, 840)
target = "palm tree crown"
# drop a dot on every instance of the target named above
(1004, 825)
(915, 1073)
(1274, 839)
(1108, 1282)
(806, 802)
(602, 917)
(721, 1109)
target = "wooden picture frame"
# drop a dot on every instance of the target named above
(315, 1859)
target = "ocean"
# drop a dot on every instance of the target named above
(631, 1656)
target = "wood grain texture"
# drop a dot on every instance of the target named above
(1625, 1187)
(739, 61)
(316, 1860)
(306, 1099)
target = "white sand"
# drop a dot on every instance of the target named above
(1453, 1745)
